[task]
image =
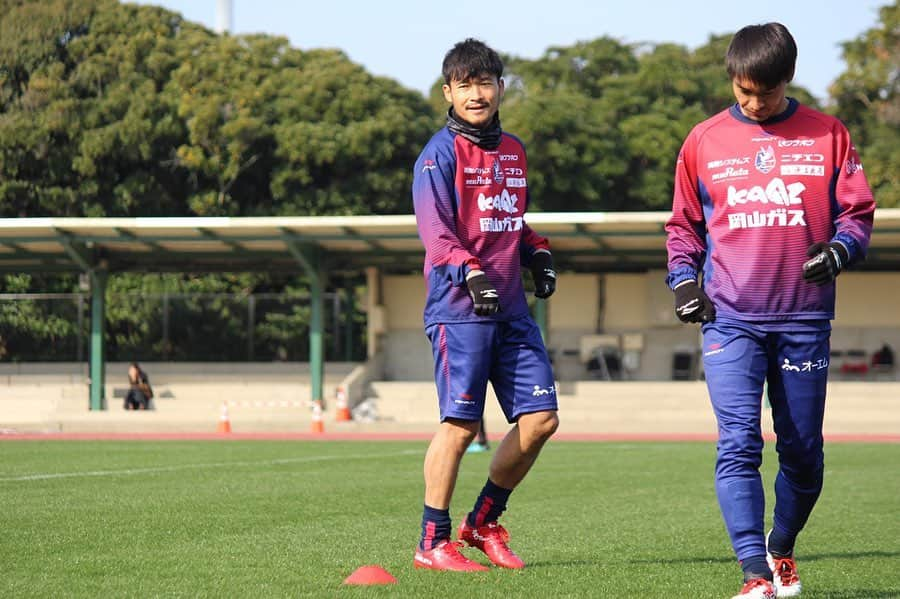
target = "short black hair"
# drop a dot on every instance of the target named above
(765, 54)
(471, 58)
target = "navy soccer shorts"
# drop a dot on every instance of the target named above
(511, 355)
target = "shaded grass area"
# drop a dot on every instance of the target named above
(293, 519)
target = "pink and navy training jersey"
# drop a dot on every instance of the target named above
(750, 198)
(470, 208)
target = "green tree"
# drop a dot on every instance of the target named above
(110, 109)
(867, 98)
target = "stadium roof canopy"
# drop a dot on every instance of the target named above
(581, 241)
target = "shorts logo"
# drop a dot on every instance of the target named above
(538, 391)
(805, 366)
(714, 348)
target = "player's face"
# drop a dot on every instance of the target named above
(758, 102)
(475, 100)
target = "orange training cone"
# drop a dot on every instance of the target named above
(342, 412)
(224, 423)
(370, 575)
(318, 426)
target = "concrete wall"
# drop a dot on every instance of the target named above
(636, 306)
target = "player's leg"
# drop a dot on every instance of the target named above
(461, 380)
(797, 395)
(523, 381)
(481, 441)
(735, 363)
(520, 447)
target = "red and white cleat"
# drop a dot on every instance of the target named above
(757, 588)
(491, 538)
(446, 556)
(784, 571)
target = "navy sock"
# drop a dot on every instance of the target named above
(780, 543)
(435, 527)
(756, 567)
(489, 505)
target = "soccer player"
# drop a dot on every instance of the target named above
(470, 194)
(771, 203)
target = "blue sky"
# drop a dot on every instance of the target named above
(406, 40)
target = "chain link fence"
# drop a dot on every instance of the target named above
(195, 327)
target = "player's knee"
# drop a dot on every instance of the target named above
(460, 433)
(539, 426)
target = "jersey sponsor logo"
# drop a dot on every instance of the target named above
(516, 182)
(796, 143)
(775, 192)
(428, 165)
(508, 157)
(479, 181)
(498, 173)
(809, 170)
(853, 165)
(778, 217)
(514, 171)
(794, 158)
(730, 173)
(476, 170)
(739, 161)
(504, 201)
(501, 225)
(765, 160)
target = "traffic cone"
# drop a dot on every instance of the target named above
(342, 412)
(224, 423)
(370, 575)
(318, 426)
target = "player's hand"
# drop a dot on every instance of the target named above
(543, 274)
(828, 259)
(692, 304)
(483, 293)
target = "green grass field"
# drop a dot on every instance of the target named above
(293, 519)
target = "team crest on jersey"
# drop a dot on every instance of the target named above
(498, 173)
(765, 160)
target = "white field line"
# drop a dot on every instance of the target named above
(201, 466)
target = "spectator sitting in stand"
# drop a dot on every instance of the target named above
(140, 393)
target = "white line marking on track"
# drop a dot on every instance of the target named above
(133, 471)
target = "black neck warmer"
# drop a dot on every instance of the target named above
(487, 137)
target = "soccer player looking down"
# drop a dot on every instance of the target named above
(470, 195)
(770, 204)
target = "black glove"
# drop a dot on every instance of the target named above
(484, 295)
(692, 304)
(828, 259)
(543, 274)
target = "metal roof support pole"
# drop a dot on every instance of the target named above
(310, 259)
(98, 347)
(348, 326)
